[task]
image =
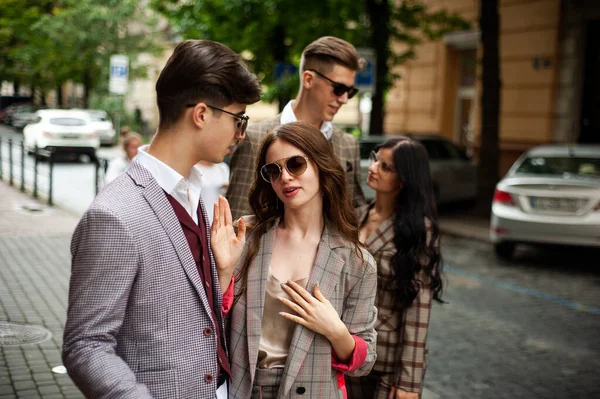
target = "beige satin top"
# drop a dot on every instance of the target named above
(277, 331)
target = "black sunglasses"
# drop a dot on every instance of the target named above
(295, 166)
(338, 88)
(242, 120)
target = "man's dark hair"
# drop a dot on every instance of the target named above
(203, 70)
(327, 51)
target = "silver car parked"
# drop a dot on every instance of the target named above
(453, 175)
(550, 195)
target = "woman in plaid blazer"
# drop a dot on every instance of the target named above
(303, 230)
(400, 229)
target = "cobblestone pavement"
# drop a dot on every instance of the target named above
(522, 329)
(34, 273)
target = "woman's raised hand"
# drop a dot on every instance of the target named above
(227, 246)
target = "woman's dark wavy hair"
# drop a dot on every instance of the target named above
(266, 206)
(414, 204)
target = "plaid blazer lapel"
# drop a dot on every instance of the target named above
(383, 234)
(159, 203)
(325, 272)
(255, 294)
(338, 147)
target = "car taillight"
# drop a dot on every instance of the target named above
(46, 134)
(503, 197)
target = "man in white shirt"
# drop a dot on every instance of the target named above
(327, 72)
(147, 298)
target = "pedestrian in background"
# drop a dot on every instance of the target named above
(327, 72)
(117, 166)
(215, 180)
(146, 305)
(400, 230)
(304, 312)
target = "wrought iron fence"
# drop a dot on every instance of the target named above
(17, 168)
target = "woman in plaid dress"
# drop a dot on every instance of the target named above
(304, 312)
(400, 230)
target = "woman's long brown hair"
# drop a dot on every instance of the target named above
(338, 211)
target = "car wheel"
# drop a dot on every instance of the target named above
(505, 250)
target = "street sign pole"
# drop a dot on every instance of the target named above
(365, 82)
(118, 83)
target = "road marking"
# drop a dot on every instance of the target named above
(521, 290)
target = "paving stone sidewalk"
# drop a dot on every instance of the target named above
(34, 278)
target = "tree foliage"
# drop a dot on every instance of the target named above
(56, 41)
(267, 32)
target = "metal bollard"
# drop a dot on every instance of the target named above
(50, 178)
(10, 162)
(97, 177)
(1, 164)
(36, 160)
(23, 165)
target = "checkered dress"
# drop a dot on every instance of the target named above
(346, 281)
(138, 322)
(243, 165)
(401, 334)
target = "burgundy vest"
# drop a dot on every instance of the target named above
(198, 241)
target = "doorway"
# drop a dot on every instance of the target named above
(590, 109)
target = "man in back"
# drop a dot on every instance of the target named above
(327, 72)
(146, 302)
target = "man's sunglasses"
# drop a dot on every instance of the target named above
(241, 120)
(295, 166)
(338, 88)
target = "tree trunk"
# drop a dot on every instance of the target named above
(87, 82)
(280, 57)
(16, 87)
(59, 96)
(490, 106)
(379, 15)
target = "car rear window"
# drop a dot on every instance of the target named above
(67, 121)
(562, 166)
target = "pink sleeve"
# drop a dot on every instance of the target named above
(358, 356)
(228, 298)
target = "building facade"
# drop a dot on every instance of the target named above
(550, 78)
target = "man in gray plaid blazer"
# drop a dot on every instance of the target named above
(327, 72)
(146, 303)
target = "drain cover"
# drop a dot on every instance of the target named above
(22, 334)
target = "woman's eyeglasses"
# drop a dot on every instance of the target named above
(338, 88)
(295, 166)
(241, 122)
(384, 167)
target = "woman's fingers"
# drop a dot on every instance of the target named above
(241, 235)
(295, 319)
(222, 211)
(301, 291)
(293, 306)
(215, 224)
(296, 297)
(228, 218)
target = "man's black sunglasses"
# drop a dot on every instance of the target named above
(338, 88)
(242, 120)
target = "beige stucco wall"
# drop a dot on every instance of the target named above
(424, 100)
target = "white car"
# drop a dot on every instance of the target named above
(550, 195)
(103, 126)
(64, 131)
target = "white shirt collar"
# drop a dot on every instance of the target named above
(288, 116)
(185, 191)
